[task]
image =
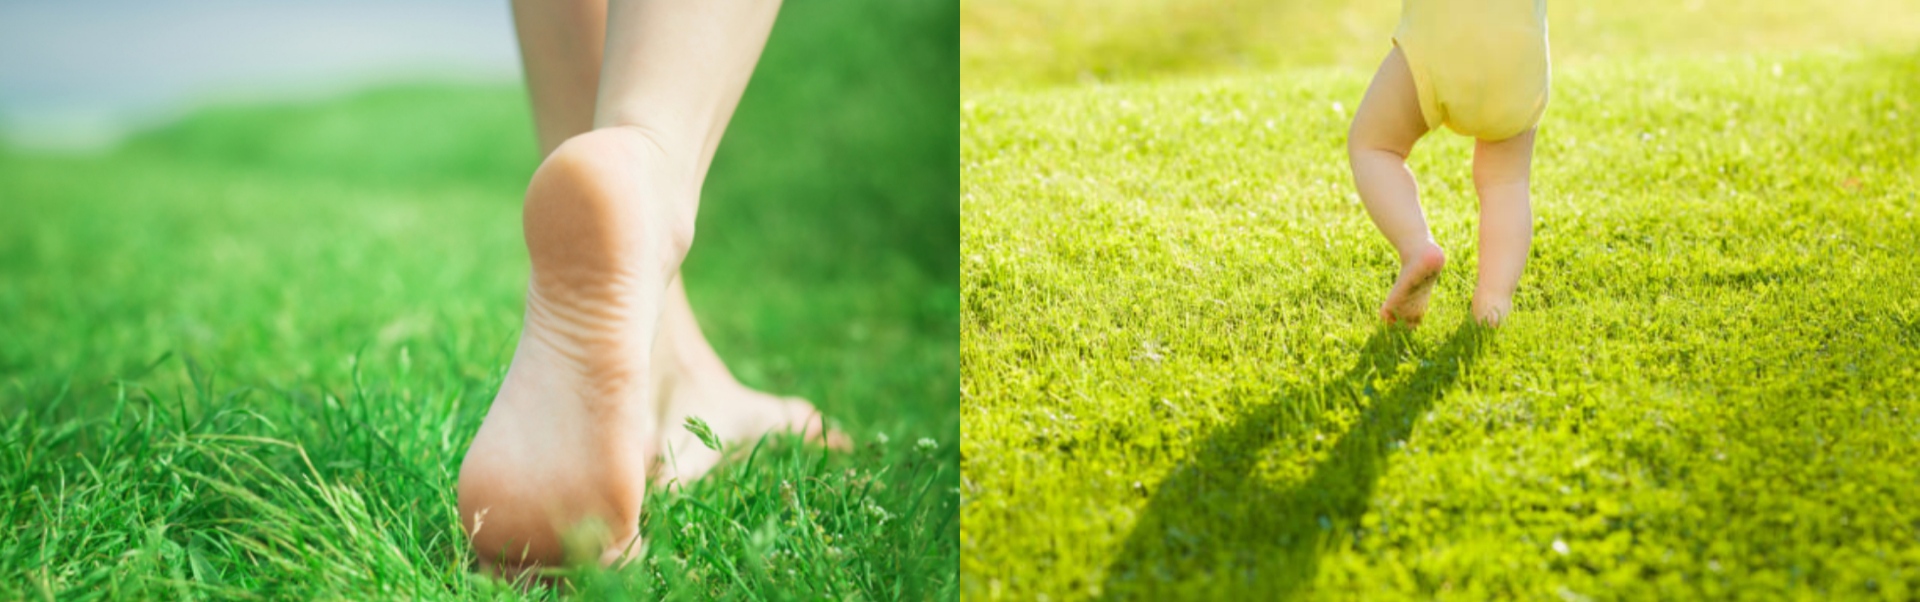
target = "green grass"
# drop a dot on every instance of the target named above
(1174, 386)
(241, 356)
(1025, 43)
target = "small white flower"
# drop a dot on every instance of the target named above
(1560, 547)
(926, 444)
(879, 514)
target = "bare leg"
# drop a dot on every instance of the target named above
(1385, 127)
(560, 42)
(561, 46)
(609, 216)
(1501, 171)
(722, 47)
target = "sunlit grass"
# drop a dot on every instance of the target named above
(1026, 43)
(1174, 385)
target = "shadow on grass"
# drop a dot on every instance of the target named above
(1216, 530)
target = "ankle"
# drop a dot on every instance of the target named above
(673, 170)
(1422, 253)
(676, 155)
(1491, 300)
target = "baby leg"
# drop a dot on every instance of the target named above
(1500, 174)
(1385, 128)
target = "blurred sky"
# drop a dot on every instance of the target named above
(80, 74)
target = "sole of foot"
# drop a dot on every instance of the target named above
(558, 470)
(1406, 302)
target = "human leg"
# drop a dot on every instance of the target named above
(609, 216)
(561, 45)
(1501, 174)
(560, 51)
(1385, 128)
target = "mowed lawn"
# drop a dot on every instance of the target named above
(1174, 385)
(242, 354)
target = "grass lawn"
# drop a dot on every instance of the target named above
(1030, 43)
(1174, 386)
(240, 356)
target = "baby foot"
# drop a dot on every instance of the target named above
(1407, 301)
(568, 440)
(1490, 309)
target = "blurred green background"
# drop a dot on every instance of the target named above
(1023, 43)
(345, 276)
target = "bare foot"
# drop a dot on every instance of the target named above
(1407, 301)
(568, 440)
(739, 417)
(692, 381)
(1491, 309)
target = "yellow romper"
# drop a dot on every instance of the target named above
(1479, 66)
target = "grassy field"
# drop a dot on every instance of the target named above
(1029, 43)
(241, 356)
(1174, 387)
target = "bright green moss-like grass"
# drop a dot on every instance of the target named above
(1173, 382)
(241, 356)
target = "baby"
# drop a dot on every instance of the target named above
(1480, 68)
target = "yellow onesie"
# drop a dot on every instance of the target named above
(1479, 66)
